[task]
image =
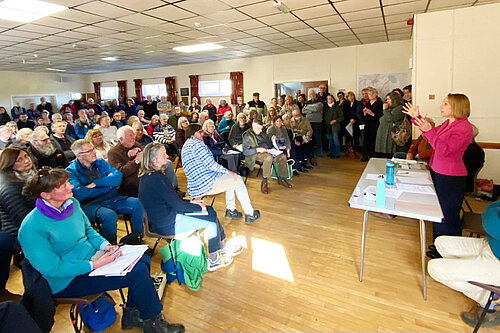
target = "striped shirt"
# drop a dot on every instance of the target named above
(200, 167)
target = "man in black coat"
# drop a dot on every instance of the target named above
(44, 152)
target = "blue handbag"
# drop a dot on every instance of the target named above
(98, 315)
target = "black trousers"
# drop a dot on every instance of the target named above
(6, 246)
(15, 318)
(450, 192)
(370, 138)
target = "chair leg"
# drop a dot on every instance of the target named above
(122, 296)
(125, 220)
(468, 205)
(75, 318)
(178, 163)
(258, 172)
(213, 200)
(154, 247)
(483, 314)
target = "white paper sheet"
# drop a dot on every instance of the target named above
(124, 263)
(415, 188)
(200, 213)
(274, 152)
(390, 192)
(349, 129)
(411, 174)
(414, 180)
(372, 176)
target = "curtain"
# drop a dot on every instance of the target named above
(236, 86)
(122, 89)
(138, 90)
(193, 82)
(97, 91)
(171, 90)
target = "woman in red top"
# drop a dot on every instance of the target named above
(223, 108)
(449, 140)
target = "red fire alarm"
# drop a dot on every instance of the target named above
(409, 22)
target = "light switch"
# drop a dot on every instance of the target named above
(432, 97)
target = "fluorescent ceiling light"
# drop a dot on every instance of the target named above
(56, 70)
(198, 47)
(27, 10)
(110, 59)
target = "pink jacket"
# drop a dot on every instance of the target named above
(449, 143)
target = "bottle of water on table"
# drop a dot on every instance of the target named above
(380, 197)
(389, 173)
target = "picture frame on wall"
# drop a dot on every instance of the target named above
(184, 91)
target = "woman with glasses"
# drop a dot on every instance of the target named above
(59, 242)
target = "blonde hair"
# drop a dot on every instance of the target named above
(180, 121)
(350, 93)
(372, 91)
(149, 155)
(460, 105)
(206, 123)
(90, 134)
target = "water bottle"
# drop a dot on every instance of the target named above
(380, 197)
(389, 173)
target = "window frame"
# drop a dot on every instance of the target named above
(220, 92)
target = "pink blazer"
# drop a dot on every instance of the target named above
(449, 142)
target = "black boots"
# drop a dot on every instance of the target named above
(159, 325)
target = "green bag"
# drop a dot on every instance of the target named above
(274, 170)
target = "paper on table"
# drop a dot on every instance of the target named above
(274, 152)
(412, 174)
(415, 188)
(349, 129)
(372, 176)
(123, 264)
(389, 192)
(415, 181)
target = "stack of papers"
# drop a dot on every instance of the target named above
(415, 188)
(131, 254)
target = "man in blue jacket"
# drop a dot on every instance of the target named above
(95, 183)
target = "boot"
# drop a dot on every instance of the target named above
(131, 319)
(6, 295)
(263, 188)
(159, 325)
(284, 183)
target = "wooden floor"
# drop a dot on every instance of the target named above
(300, 270)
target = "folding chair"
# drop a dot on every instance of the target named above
(493, 290)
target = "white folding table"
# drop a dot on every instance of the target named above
(423, 207)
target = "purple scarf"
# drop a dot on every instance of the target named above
(52, 212)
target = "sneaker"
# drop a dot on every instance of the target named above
(492, 318)
(222, 260)
(249, 219)
(233, 214)
(233, 249)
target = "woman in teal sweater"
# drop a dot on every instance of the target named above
(59, 242)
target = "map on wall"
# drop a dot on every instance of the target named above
(384, 83)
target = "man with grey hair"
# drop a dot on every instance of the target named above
(44, 152)
(165, 133)
(173, 120)
(126, 157)
(44, 105)
(164, 106)
(203, 117)
(5, 136)
(211, 109)
(314, 113)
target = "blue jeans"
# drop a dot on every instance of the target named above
(213, 229)
(141, 292)
(334, 143)
(105, 213)
(318, 137)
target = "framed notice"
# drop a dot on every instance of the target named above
(184, 91)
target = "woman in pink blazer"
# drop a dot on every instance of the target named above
(449, 140)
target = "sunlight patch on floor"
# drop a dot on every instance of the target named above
(270, 258)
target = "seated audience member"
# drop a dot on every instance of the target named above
(149, 106)
(217, 146)
(97, 108)
(256, 144)
(59, 242)
(82, 124)
(22, 139)
(313, 111)
(195, 117)
(333, 117)
(164, 133)
(240, 106)
(164, 106)
(420, 149)
(223, 108)
(180, 134)
(115, 106)
(279, 132)
(473, 159)
(270, 118)
(140, 137)
(95, 183)
(194, 105)
(95, 138)
(60, 139)
(165, 210)
(130, 109)
(237, 130)
(4, 116)
(24, 122)
(207, 177)
(142, 118)
(302, 132)
(467, 259)
(174, 119)
(5, 137)
(151, 126)
(70, 128)
(203, 117)
(44, 105)
(226, 122)
(117, 120)
(126, 157)
(274, 104)
(108, 131)
(13, 126)
(44, 152)
(392, 116)
(211, 109)
(132, 119)
(184, 108)
(253, 115)
(257, 105)
(33, 113)
(17, 110)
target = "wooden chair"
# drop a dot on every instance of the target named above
(473, 224)
(260, 164)
(179, 163)
(493, 290)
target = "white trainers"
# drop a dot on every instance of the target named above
(222, 260)
(233, 248)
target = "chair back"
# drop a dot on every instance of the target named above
(473, 159)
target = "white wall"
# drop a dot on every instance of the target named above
(30, 83)
(340, 66)
(457, 51)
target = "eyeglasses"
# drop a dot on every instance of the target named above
(44, 140)
(88, 151)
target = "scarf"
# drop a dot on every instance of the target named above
(53, 213)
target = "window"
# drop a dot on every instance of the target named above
(215, 88)
(154, 90)
(75, 96)
(108, 93)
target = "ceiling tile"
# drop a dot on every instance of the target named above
(339, 33)
(355, 5)
(438, 5)
(301, 32)
(116, 25)
(94, 30)
(373, 40)
(193, 34)
(219, 29)
(362, 15)
(259, 9)
(318, 22)
(170, 13)
(170, 28)
(202, 7)
(408, 7)
(261, 31)
(69, 3)
(274, 36)
(79, 16)
(22, 34)
(39, 29)
(237, 3)
(367, 22)
(142, 20)
(291, 26)
(229, 16)
(299, 4)
(138, 5)
(104, 9)
(374, 29)
(398, 17)
(315, 12)
(333, 27)
(348, 43)
(247, 25)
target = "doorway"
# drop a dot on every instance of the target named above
(289, 88)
